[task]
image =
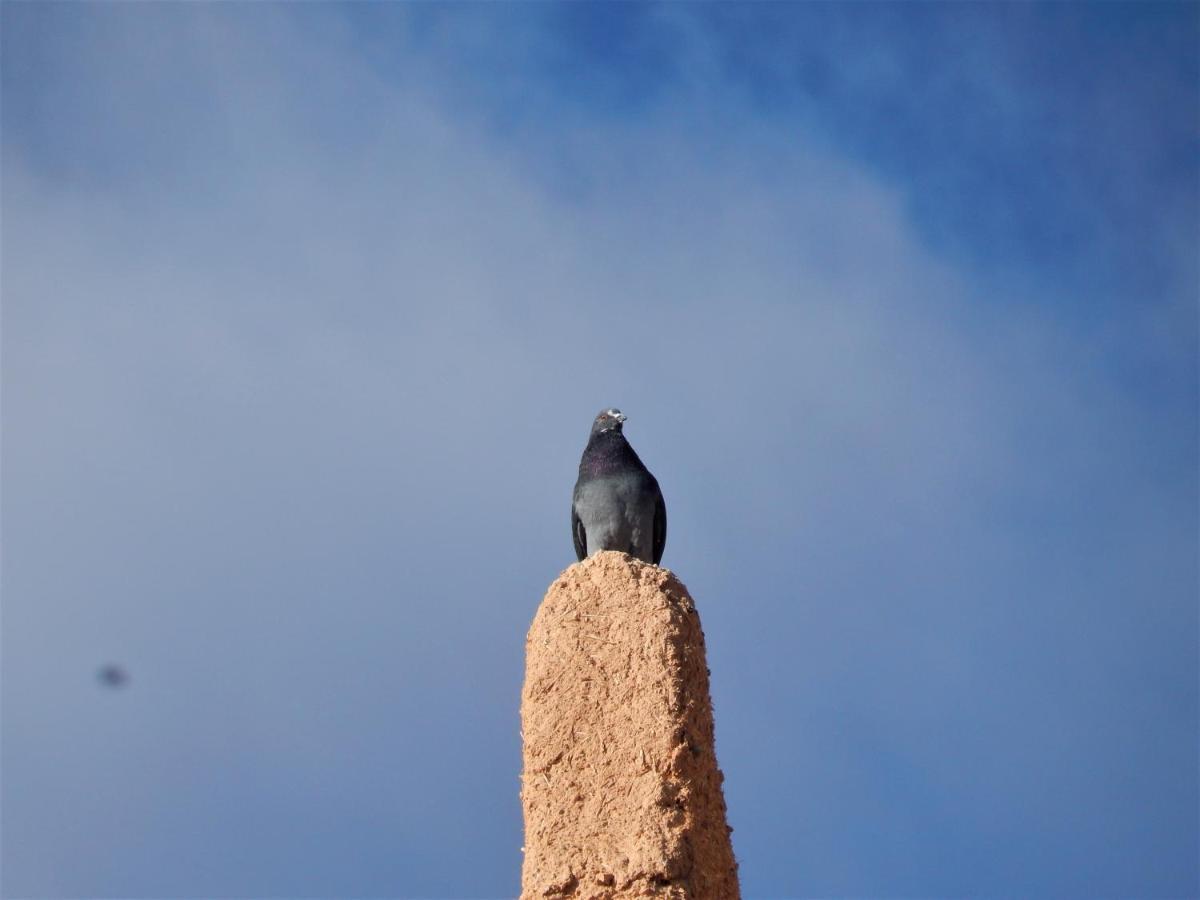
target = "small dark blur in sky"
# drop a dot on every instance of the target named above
(112, 676)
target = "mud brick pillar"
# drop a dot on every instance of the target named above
(620, 789)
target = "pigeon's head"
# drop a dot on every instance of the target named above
(608, 420)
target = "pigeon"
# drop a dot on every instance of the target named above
(617, 504)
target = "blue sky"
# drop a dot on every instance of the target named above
(307, 309)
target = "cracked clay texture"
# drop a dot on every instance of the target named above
(621, 791)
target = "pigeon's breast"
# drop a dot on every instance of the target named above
(617, 512)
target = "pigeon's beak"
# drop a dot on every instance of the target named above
(621, 417)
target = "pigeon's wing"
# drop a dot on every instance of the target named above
(660, 525)
(578, 535)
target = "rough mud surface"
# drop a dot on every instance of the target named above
(621, 791)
